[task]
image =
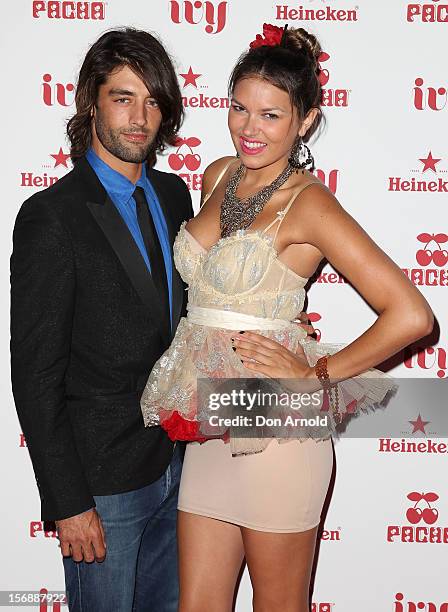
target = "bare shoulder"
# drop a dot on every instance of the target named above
(205, 224)
(315, 201)
(318, 219)
(321, 221)
(317, 206)
(213, 171)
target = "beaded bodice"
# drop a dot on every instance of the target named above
(242, 273)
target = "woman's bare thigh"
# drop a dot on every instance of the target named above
(280, 568)
(211, 554)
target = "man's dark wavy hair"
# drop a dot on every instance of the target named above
(148, 59)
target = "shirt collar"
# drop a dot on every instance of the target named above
(117, 185)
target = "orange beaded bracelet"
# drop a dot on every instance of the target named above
(330, 389)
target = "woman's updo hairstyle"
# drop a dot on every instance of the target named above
(291, 65)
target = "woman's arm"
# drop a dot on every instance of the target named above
(404, 314)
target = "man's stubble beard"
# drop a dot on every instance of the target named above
(110, 139)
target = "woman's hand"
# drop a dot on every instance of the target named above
(270, 358)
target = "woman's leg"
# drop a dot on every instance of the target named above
(280, 568)
(211, 554)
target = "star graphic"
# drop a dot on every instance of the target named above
(190, 77)
(429, 163)
(60, 158)
(419, 424)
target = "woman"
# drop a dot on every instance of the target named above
(264, 226)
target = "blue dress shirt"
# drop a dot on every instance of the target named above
(120, 190)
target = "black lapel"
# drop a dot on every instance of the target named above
(110, 221)
(177, 286)
(122, 242)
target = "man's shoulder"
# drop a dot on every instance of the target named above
(53, 197)
(62, 186)
(177, 193)
(167, 179)
(79, 184)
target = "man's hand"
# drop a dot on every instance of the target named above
(82, 537)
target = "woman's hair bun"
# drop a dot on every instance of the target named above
(301, 41)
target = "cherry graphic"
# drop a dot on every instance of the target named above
(176, 161)
(438, 255)
(191, 160)
(424, 256)
(324, 75)
(416, 514)
(430, 515)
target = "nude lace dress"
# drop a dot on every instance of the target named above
(267, 484)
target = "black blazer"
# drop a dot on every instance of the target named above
(86, 330)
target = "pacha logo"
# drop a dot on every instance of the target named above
(214, 14)
(200, 100)
(421, 511)
(69, 10)
(37, 528)
(185, 157)
(435, 255)
(327, 13)
(429, 97)
(191, 160)
(45, 179)
(57, 93)
(331, 97)
(322, 607)
(427, 13)
(429, 180)
(432, 254)
(416, 513)
(417, 606)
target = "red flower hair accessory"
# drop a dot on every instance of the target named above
(272, 36)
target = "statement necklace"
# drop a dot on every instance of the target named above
(239, 214)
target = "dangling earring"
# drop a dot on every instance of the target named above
(301, 156)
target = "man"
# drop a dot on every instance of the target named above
(95, 302)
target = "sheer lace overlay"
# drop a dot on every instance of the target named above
(240, 274)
